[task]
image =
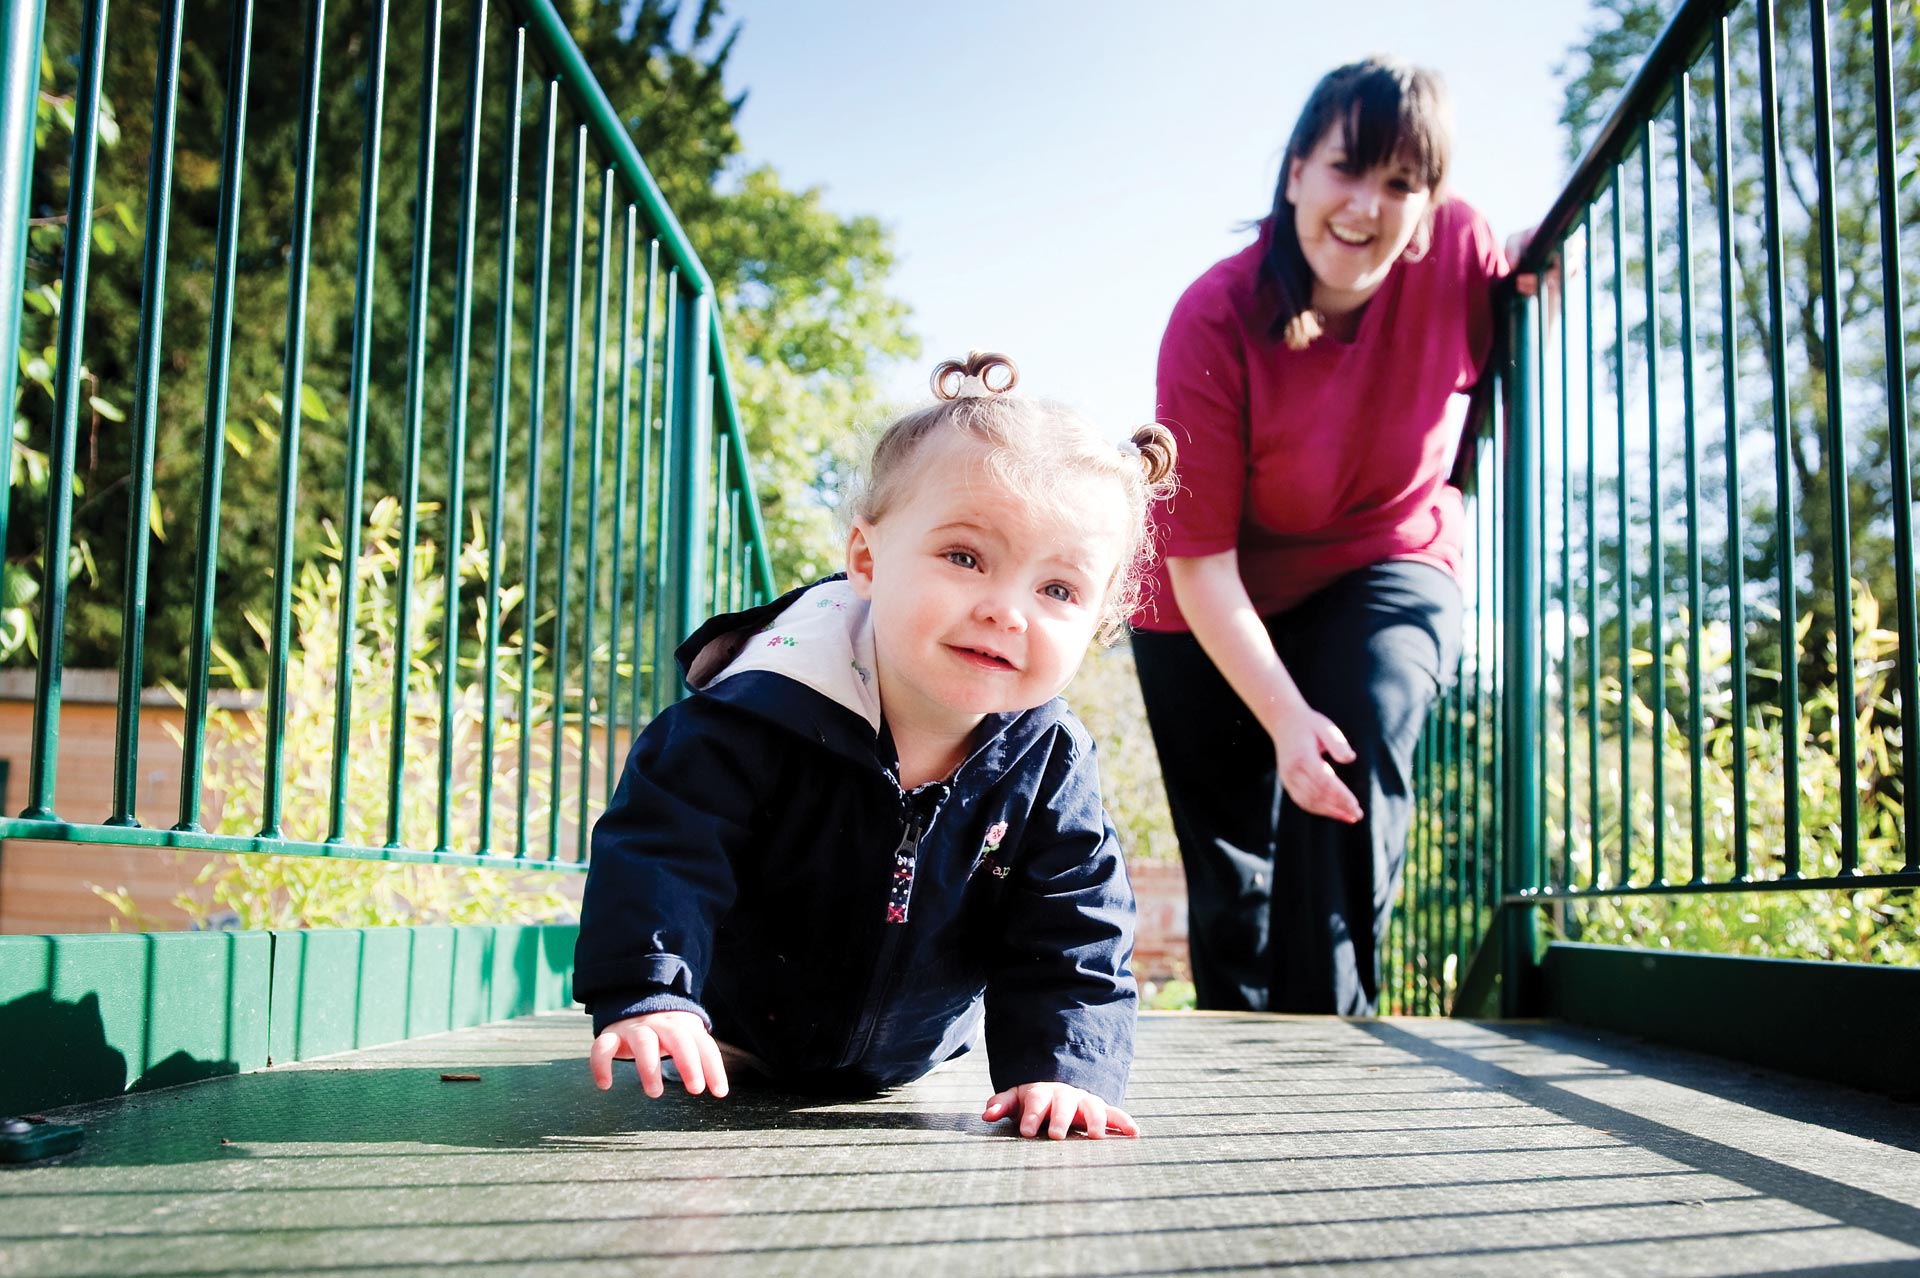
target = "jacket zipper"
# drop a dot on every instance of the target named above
(905, 857)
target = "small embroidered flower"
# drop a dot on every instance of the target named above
(838, 605)
(865, 676)
(988, 846)
(779, 641)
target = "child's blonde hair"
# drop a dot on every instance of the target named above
(1031, 444)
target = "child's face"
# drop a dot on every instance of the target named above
(983, 600)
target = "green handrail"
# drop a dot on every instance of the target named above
(500, 678)
(1639, 728)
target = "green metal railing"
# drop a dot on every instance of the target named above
(1692, 497)
(516, 685)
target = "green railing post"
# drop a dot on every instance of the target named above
(291, 411)
(213, 446)
(690, 465)
(1897, 428)
(44, 766)
(457, 424)
(20, 26)
(146, 412)
(1519, 856)
(417, 326)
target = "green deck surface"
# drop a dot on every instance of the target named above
(1273, 1144)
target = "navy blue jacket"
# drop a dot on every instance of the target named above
(761, 866)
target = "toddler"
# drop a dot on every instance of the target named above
(873, 824)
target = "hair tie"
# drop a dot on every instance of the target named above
(973, 377)
(1129, 449)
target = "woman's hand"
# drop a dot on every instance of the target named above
(1529, 284)
(1303, 740)
(645, 1039)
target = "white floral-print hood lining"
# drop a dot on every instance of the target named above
(824, 640)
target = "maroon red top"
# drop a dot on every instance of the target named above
(1318, 462)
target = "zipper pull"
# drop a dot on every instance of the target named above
(921, 805)
(905, 857)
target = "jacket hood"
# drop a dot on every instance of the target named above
(821, 637)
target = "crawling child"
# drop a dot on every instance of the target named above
(873, 823)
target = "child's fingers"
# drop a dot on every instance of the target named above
(600, 1059)
(684, 1047)
(646, 1060)
(999, 1105)
(1065, 1110)
(1120, 1122)
(713, 1065)
(1033, 1108)
(1093, 1117)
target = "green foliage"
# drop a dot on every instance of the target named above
(311, 891)
(1174, 996)
(1106, 697)
(1867, 925)
(1861, 925)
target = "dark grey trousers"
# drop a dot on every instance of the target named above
(1285, 910)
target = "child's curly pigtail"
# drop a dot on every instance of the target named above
(1158, 454)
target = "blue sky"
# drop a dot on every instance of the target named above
(1055, 172)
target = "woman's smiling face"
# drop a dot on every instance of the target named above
(1353, 223)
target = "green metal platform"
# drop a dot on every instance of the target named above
(1274, 1144)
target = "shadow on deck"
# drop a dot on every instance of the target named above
(1411, 1146)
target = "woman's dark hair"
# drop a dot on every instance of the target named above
(1385, 109)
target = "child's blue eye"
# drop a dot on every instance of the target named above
(1058, 592)
(962, 558)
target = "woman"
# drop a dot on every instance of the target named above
(1307, 612)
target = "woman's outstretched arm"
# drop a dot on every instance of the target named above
(1214, 601)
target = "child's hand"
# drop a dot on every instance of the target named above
(1062, 1109)
(645, 1039)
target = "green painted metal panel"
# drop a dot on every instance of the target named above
(383, 988)
(531, 971)
(1849, 1023)
(316, 1002)
(467, 1001)
(89, 1016)
(429, 980)
(86, 1017)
